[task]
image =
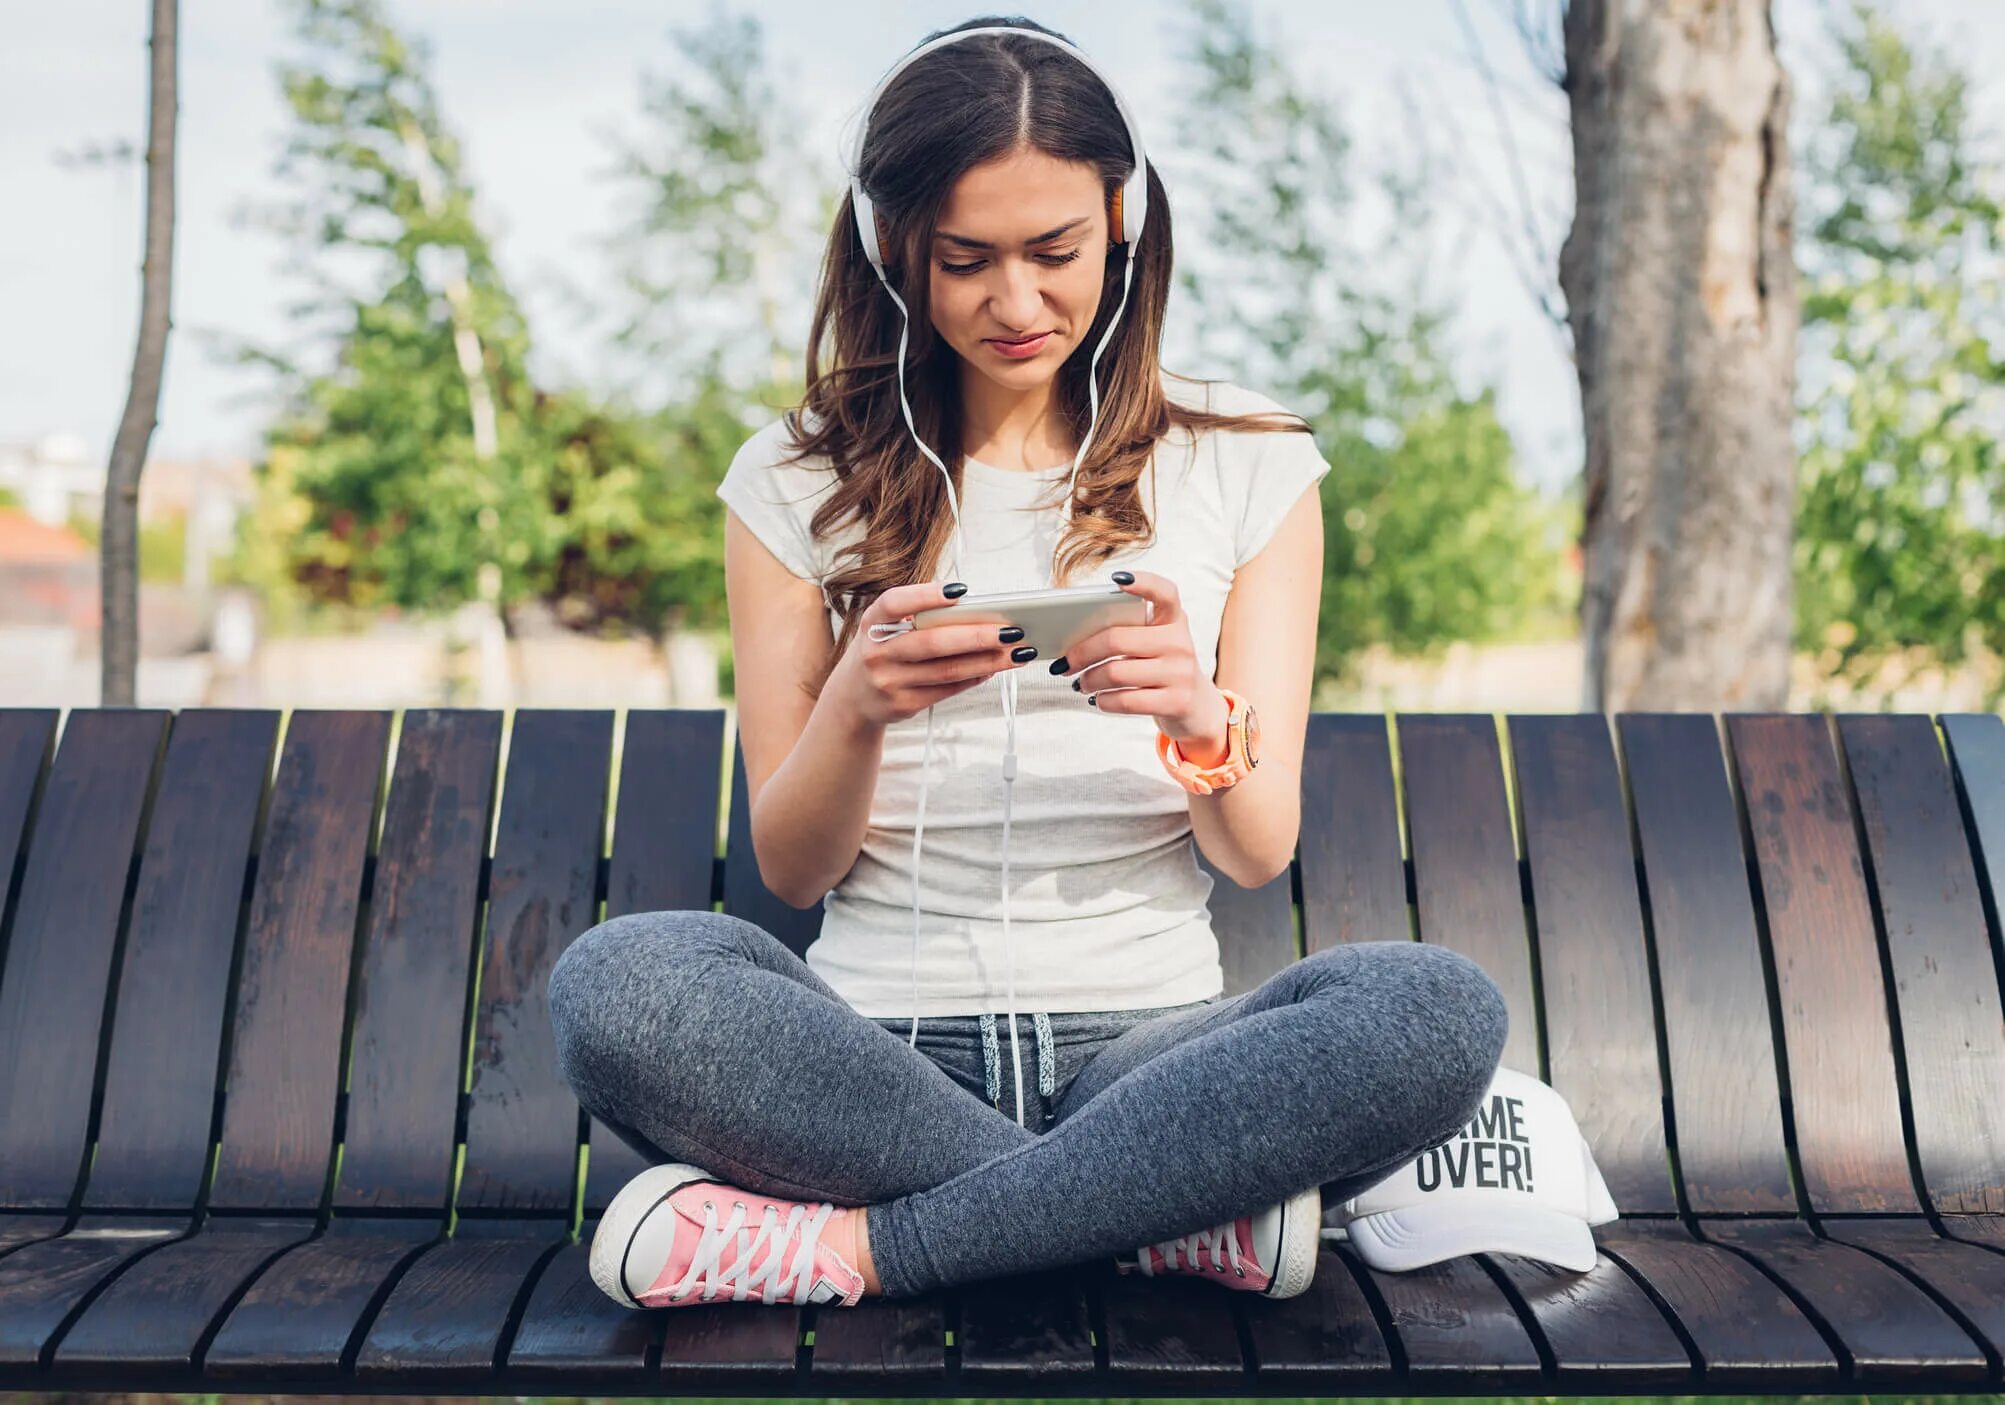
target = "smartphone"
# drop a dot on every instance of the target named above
(1052, 620)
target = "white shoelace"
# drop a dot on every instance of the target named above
(1220, 1241)
(774, 1279)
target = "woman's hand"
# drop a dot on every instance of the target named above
(889, 680)
(1150, 668)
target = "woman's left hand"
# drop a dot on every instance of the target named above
(1150, 668)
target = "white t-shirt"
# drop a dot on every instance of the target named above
(1108, 907)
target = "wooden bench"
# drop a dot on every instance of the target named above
(1761, 960)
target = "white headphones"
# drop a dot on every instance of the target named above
(1127, 211)
(1130, 199)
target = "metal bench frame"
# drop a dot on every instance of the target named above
(1759, 954)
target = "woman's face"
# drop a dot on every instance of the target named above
(1016, 287)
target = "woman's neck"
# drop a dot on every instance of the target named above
(1012, 429)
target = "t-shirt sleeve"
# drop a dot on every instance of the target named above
(777, 500)
(1267, 477)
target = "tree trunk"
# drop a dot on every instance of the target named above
(118, 536)
(1680, 283)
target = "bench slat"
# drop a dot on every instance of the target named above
(572, 1336)
(1889, 1327)
(732, 1348)
(1976, 745)
(442, 1326)
(1169, 1335)
(27, 744)
(1945, 981)
(1471, 899)
(297, 1319)
(664, 859)
(410, 1009)
(522, 1118)
(1453, 1326)
(1749, 1334)
(1353, 875)
(1839, 1045)
(1593, 967)
(1465, 868)
(1602, 1331)
(745, 892)
(299, 939)
(144, 1328)
(1024, 1333)
(1968, 1277)
(1728, 1107)
(1324, 1341)
(59, 957)
(878, 1346)
(160, 1079)
(42, 1283)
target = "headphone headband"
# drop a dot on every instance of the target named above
(1130, 201)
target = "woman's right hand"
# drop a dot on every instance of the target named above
(902, 676)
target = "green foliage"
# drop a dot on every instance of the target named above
(1430, 534)
(1900, 544)
(376, 488)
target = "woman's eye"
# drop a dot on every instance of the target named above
(1050, 260)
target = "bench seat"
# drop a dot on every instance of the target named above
(1760, 955)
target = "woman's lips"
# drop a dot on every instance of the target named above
(1017, 351)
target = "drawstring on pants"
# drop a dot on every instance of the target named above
(1047, 1059)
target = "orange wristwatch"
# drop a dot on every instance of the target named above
(1242, 734)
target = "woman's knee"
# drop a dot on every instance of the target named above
(597, 975)
(1449, 1016)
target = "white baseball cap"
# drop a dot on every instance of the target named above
(1519, 1179)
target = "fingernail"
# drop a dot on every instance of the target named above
(1009, 634)
(1124, 577)
(953, 590)
(1025, 654)
(1058, 664)
(1092, 701)
(1075, 685)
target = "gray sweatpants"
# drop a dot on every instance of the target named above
(697, 1036)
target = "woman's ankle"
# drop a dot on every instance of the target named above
(865, 1265)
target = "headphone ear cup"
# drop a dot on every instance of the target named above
(883, 237)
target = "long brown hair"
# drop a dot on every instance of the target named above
(967, 103)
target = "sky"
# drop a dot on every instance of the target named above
(534, 87)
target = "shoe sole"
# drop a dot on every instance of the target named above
(636, 1200)
(1297, 1266)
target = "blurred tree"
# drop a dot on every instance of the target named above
(1430, 534)
(410, 473)
(1681, 291)
(1900, 551)
(118, 563)
(721, 214)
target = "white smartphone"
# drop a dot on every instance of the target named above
(1052, 620)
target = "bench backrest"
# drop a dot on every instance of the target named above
(1760, 958)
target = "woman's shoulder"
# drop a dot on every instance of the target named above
(1221, 397)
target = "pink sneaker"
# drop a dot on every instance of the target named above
(1272, 1253)
(676, 1235)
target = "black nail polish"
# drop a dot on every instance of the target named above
(1058, 664)
(1124, 577)
(954, 590)
(1092, 701)
(1025, 654)
(1075, 685)
(1009, 634)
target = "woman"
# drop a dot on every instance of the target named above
(806, 1152)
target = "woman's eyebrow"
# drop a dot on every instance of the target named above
(1049, 234)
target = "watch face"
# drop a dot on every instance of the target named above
(1252, 738)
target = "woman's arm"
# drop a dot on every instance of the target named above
(1267, 653)
(810, 765)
